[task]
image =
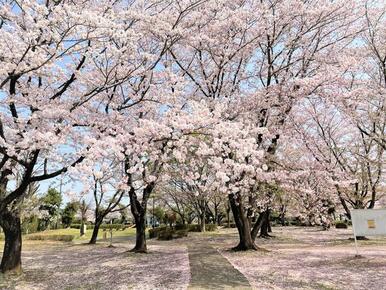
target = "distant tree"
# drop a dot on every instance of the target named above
(69, 212)
(83, 211)
(29, 209)
(108, 199)
(158, 214)
(170, 218)
(125, 215)
(50, 206)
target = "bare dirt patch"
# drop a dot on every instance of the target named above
(307, 258)
(100, 267)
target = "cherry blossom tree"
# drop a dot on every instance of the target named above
(148, 148)
(208, 86)
(261, 59)
(353, 160)
(62, 65)
(177, 202)
(193, 178)
(366, 102)
(108, 196)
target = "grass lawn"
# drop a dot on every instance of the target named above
(87, 236)
(32, 244)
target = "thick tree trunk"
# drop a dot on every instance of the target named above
(11, 260)
(243, 225)
(343, 202)
(138, 210)
(95, 232)
(140, 234)
(257, 226)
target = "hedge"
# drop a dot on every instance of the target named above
(341, 225)
(196, 228)
(167, 233)
(102, 227)
(231, 225)
(153, 233)
(180, 230)
(45, 237)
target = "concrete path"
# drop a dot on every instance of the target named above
(210, 270)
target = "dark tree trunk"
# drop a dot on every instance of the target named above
(243, 225)
(282, 215)
(202, 222)
(138, 209)
(257, 225)
(228, 215)
(216, 217)
(266, 226)
(82, 233)
(343, 202)
(95, 231)
(11, 260)
(269, 226)
(140, 234)
(282, 220)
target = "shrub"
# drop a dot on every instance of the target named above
(75, 226)
(167, 233)
(211, 227)
(30, 225)
(196, 228)
(114, 226)
(153, 233)
(296, 223)
(103, 226)
(231, 225)
(42, 237)
(181, 226)
(181, 233)
(341, 225)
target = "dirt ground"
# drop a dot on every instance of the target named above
(307, 258)
(296, 258)
(100, 267)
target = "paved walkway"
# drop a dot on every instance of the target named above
(210, 270)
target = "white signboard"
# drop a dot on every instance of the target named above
(369, 222)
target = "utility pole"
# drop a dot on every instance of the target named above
(153, 221)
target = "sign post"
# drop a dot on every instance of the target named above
(355, 239)
(111, 233)
(368, 222)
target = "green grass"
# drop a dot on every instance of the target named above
(76, 234)
(87, 236)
